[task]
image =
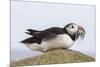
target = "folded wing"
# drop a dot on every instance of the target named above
(32, 32)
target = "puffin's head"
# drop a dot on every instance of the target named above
(74, 30)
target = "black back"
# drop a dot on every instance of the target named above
(55, 30)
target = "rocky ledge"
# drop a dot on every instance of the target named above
(54, 56)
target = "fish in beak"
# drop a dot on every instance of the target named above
(81, 32)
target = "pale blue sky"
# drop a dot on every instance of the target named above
(41, 16)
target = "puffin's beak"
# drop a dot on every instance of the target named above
(81, 32)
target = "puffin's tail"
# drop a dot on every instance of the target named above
(28, 40)
(31, 40)
(32, 32)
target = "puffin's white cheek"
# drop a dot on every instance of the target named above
(73, 30)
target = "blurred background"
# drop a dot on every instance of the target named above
(40, 16)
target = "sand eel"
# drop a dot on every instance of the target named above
(54, 37)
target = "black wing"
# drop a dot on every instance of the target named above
(43, 35)
(32, 32)
(55, 30)
(49, 33)
(38, 38)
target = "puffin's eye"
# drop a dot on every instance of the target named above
(71, 26)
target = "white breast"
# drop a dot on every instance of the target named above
(61, 41)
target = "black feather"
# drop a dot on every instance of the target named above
(32, 32)
(31, 40)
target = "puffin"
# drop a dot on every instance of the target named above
(54, 37)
